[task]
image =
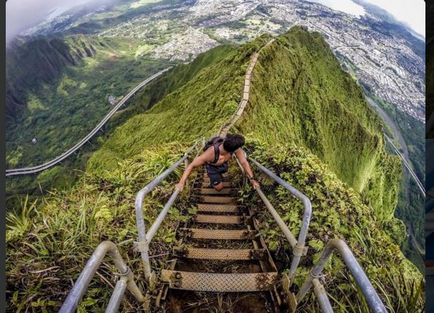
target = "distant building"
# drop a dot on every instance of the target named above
(112, 100)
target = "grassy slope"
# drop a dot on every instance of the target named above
(197, 109)
(63, 107)
(338, 212)
(63, 229)
(60, 176)
(310, 101)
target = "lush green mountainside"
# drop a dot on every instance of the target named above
(64, 85)
(301, 93)
(47, 59)
(195, 110)
(60, 175)
(318, 138)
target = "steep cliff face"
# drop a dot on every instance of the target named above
(42, 61)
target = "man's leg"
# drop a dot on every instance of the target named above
(219, 186)
(215, 178)
(221, 170)
(216, 181)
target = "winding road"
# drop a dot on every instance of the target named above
(58, 159)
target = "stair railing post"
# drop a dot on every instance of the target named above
(117, 295)
(299, 249)
(143, 242)
(371, 296)
(322, 297)
(82, 282)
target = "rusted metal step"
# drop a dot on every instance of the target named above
(219, 234)
(217, 199)
(218, 219)
(212, 191)
(224, 254)
(220, 208)
(219, 282)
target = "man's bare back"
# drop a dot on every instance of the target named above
(216, 158)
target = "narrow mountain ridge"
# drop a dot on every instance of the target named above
(300, 91)
(301, 109)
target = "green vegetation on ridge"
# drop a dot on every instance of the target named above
(195, 110)
(301, 93)
(62, 229)
(60, 176)
(70, 94)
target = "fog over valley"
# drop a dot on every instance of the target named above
(24, 14)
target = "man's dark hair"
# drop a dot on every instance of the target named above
(233, 142)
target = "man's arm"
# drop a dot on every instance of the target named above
(200, 160)
(241, 156)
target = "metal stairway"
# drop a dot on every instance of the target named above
(221, 251)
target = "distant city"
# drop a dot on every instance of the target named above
(384, 57)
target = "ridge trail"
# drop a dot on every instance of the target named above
(221, 261)
(246, 92)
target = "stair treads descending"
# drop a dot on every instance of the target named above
(218, 219)
(217, 199)
(224, 254)
(212, 191)
(218, 282)
(219, 234)
(220, 208)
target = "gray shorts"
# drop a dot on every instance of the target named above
(215, 173)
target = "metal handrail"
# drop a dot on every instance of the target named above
(374, 301)
(145, 238)
(322, 297)
(125, 282)
(64, 155)
(298, 245)
(371, 296)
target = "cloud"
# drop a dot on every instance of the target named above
(410, 12)
(24, 14)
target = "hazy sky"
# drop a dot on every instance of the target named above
(410, 12)
(23, 14)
